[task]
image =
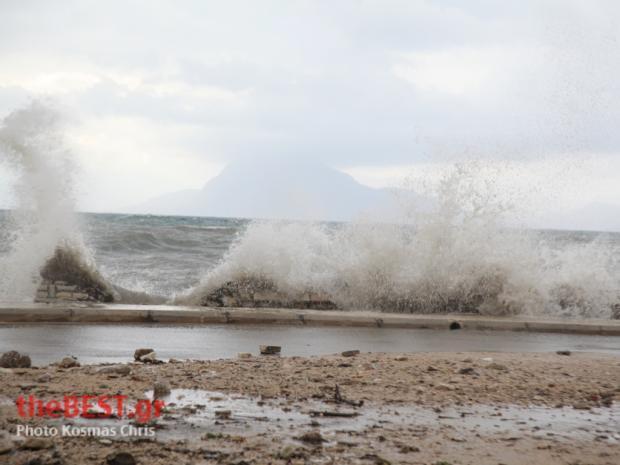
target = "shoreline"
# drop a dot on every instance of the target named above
(422, 408)
(21, 313)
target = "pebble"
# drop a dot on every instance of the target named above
(139, 353)
(6, 446)
(290, 452)
(350, 353)
(270, 350)
(312, 437)
(497, 366)
(122, 370)
(151, 358)
(68, 362)
(120, 458)
(581, 406)
(222, 414)
(44, 378)
(160, 389)
(36, 444)
(467, 371)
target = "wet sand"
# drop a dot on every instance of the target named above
(422, 408)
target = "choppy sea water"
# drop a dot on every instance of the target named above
(162, 255)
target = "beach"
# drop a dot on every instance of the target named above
(366, 408)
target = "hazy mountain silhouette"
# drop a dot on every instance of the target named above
(274, 189)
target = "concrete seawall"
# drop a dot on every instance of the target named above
(82, 313)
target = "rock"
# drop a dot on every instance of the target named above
(444, 387)
(14, 359)
(33, 443)
(405, 449)
(120, 458)
(378, 460)
(455, 325)
(44, 378)
(467, 371)
(68, 362)
(122, 370)
(350, 353)
(6, 446)
(289, 453)
(260, 293)
(151, 358)
(270, 350)
(431, 368)
(497, 366)
(139, 353)
(74, 278)
(581, 406)
(244, 355)
(160, 389)
(223, 414)
(105, 442)
(312, 437)
(563, 352)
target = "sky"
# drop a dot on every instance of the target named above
(161, 96)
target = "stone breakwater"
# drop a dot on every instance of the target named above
(49, 292)
(253, 294)
(67, 276)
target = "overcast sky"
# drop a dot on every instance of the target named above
(162, 95)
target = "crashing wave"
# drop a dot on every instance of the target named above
(457, 256)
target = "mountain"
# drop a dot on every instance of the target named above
(275, 189)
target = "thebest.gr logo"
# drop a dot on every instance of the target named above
(87, 406)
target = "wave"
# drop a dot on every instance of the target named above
(456, 256)
(31, 147)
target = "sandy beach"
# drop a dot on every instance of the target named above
(369, 408)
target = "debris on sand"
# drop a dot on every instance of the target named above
(333, 414)
(312, 437)
(223, 414)
(120, 458)
(68, 362)
(161, 389)
(146, 356)
(497, 366)
(270, 350)
(339, 399)
(137, 355)
(121, 370)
